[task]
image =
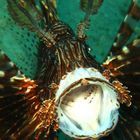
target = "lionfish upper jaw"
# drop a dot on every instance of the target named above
(87, 104)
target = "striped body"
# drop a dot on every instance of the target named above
(28, 108)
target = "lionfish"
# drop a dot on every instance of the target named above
(71, 91)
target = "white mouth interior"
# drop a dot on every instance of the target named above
(78, 106)
(88, 111)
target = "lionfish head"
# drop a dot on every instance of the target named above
(87, 103)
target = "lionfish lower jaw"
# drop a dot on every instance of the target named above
(87, 104)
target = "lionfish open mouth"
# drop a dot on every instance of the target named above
(70, 90)
(87, 104)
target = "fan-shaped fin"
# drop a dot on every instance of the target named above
(127, 130)
(125, 66)
(22, 114)
(128, 26)
(19, 44)
(35, 16)
(49, 11)
(26, 14)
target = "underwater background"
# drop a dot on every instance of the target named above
(20, 45)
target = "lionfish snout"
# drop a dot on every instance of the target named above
(87, 104)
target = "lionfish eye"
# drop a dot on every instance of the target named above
(87, 104)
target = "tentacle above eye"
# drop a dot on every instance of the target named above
(25, 13)
(90, 7)
(37, 17)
